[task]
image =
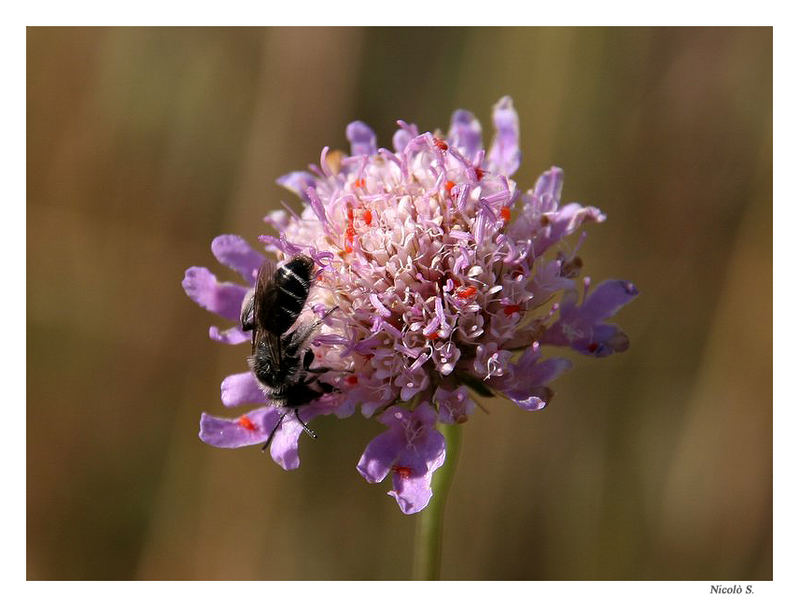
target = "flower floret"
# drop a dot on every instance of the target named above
(412, 449)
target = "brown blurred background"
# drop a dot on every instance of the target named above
(143, 144)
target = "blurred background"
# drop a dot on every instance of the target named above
(143, 144)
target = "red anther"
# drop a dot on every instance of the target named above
(351, 380)
(368, 217)
(592, 347)
(404, 472)
(511, 309)
(246, 423)
(466, 292)
(449, 186)
(433, 335)
(479, 173)
(360, 183)
(440, 144)
(505, 213)
(350, 232)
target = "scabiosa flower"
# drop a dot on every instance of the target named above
(443, 276)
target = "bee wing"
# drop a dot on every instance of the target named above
(266, 272)
(272, 342)
(263, 304)
(246, 316)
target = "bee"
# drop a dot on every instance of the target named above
(280, 358)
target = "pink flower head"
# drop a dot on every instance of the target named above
(442, 275)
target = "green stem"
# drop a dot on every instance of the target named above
(428, 541)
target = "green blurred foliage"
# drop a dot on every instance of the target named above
(145, 143)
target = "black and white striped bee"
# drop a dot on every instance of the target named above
(281, 359)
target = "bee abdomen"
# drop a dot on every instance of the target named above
(292, 282)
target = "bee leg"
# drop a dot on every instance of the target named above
(322, 370)
(311, 433)
(272, 434)
(246, 316)
(326, 388)
(308, 359)
(327, 314)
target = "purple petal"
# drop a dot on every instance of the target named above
(580, 327)
(573, 330)
(568, 303)
(504, 155)
(317, 206)
(526, 385)
(454, 406)
(403, 135)
(548, 188)
(298, 182)
(411, 493)
(280, 244)
(233, 335)
(431, 445)
(568, 331)
(530, 371)
(238, 389)
(285, 443)
(379, 456)
(414, 470)
(424, 445)
(570, 217)
(531, 402)
(224, 299)
(376, 302)
(250, 429)
(362, 139)
(411, 382)
(607, 298)
(233, 251)
(465, 134)
(278, 219)
(605, 340)
(548, 370)
(564, 222)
